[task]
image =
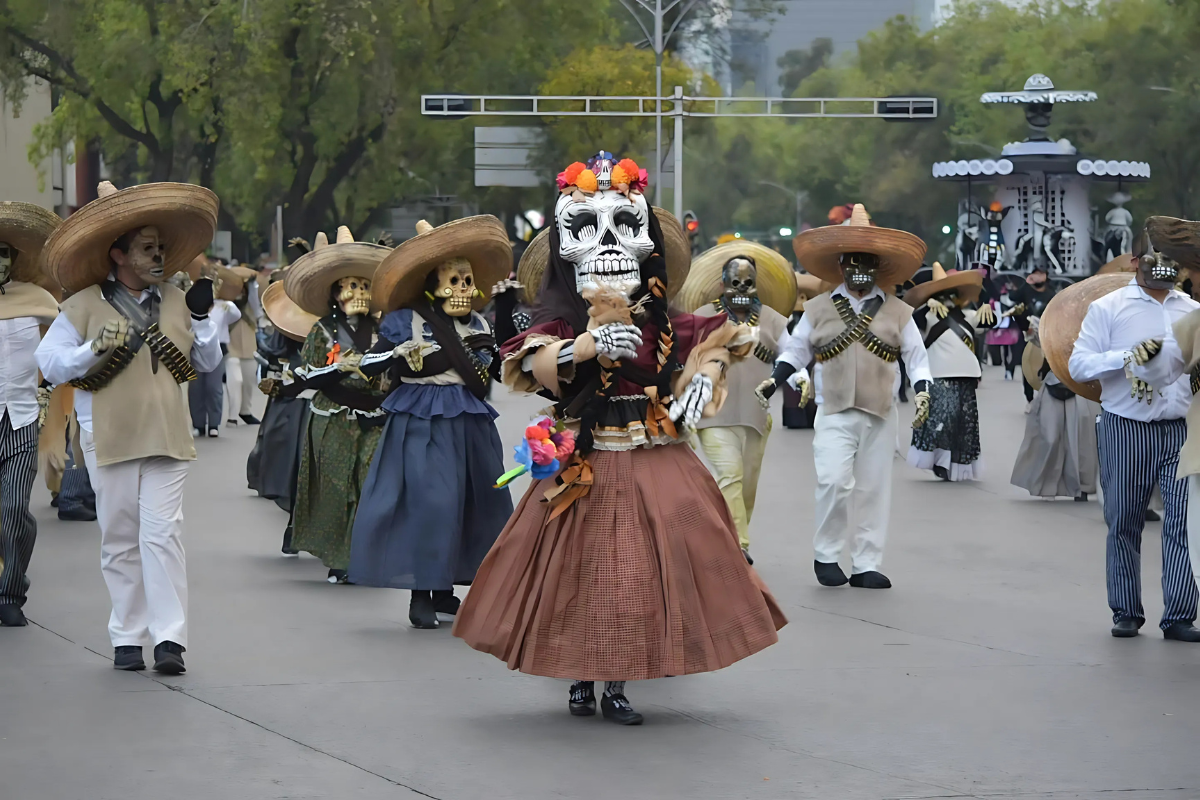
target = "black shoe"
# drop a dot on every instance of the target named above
(1182, 632)
(129, 658)
(54, 499)
(11, 616)
(420, 610)
(746, 553)
(444, 602)
(338, 576)
(79, 513)
(1153, 516)
(829, 574)
(942, 473)
(1126, 628)
(287, 548)
(1081, 497)
(870, 580)
(168, 658)
(231, 423)
(617, 708)
(250, 419)
(583, 699)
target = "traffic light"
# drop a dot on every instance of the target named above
(691, 227)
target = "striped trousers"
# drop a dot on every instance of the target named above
(18, 528)
(1134, 456)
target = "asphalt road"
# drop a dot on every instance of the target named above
(988, 670)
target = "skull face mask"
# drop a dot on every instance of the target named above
(455, 286)
(7, 256)
(145, 255)
(1157, 270)
(859, 270)
(740, 277)
(354, 296)
(606, 237)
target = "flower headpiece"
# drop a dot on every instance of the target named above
(603, 171)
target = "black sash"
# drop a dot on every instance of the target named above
(954, 321)
(472, 370)
(140, 317)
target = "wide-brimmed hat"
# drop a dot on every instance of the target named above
(185, 215)
(231, 283)
(1062, 319)
(776, 286)
(536, 257)
(481, 240)
(900, 253)
(26, 227)
(968, 283)
(311, 275)
(1122, 263)
(288, 318)
(1176, 238)
(808, 287)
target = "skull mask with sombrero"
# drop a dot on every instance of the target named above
(952, 288)
(740, 277)
(860, 254)
(335, 279)
(24, 229)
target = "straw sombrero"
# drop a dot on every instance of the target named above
(288, 318)
(678, 255)
(1122, 263)
(185, 215)
(26, 227)
(1062, 319)
(968, 283)
(1176, 238)
(481, 240)
(776, 286)
(900, 253)
(231, 283)
(310, 276)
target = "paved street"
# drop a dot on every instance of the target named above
(987, 672)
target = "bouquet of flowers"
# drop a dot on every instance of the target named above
(542, 451)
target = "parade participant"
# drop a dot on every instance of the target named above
(333, 282)
(429, 512)
(751, 285)
(283, 433)
(240, 366)
(855, 334)
(126, 340)
(794, 414)
(948, 444)
(1029, 300)
(206, 394)
(24, 307)
(1142, 428)
(626, 565)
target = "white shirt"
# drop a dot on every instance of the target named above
(1113, 326)
(223, 314)
(64, 356)
(950, 356)
(19, 370)
(797, 348)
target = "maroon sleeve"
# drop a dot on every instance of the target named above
(557, 328)
(691, 329)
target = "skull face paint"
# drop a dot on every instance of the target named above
(740, 277)
(606, 237)
(145, 255)
(455, 286)
(1158, 271)
(859, 270)
(354, 296)
(8, 255)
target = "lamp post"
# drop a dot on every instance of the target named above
(798, 194)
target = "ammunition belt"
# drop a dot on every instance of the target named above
(168, 354)
(764, 354)
(1195, 380)
(857, 330)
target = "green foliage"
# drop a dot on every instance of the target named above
(797, 65)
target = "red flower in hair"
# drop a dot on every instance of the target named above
(569, 175)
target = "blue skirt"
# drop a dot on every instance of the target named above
(428, 513)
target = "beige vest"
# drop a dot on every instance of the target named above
(857, 378)
(242, 343)
(141, 413)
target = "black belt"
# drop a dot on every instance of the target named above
(956, 322)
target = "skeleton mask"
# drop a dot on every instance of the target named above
(858, 270)
(606, 236)
(740, 276)
(354, 296)
(455, 286)
(7, 256)
(1157, 270)
(145, 255)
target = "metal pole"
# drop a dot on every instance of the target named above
(678, 145)
(278, 237)
(658, 53)
(799, 204)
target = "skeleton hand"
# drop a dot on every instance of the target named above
(1146, 351)
(269, 387)
(1015, 311)
(937, 307)
(921, 400)
(1142, 391)
(802, 385)
(690, 405)
(764, 391)
(504, 285)
(115, 333)
(617, 340)
(986, 316)
(349, 362)
(43, 401)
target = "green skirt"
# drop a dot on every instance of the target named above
(333, 467)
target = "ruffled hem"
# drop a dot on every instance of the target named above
(923, 459)
(427, 400)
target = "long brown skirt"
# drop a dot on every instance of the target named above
(642, 578)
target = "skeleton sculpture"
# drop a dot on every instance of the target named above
(740, 277)
(991, 250)
(455, 287)
(1118, 234)
(353, 296)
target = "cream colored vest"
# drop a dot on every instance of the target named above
(141, 413)
(857, 378)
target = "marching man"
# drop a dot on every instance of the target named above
(856, 333)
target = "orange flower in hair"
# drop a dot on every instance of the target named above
(568, 176)
(586, 181)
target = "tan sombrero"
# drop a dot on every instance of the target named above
(310, 276)
(185, 215)
(900, 253)
(776, 286)
(1122, 263)
(1031, 365)
(231, 283)
(679, 257)
(481, 240)
(288, 318)
(1176, 238)
(1062, 319)
(968, 283)
(26, 227)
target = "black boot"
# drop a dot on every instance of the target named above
(583, 699)
(942, 473)
(1081, 497)
(420, 610)
(870, 580)
(616, 707)
(829, 574)
(287, 549)
(11, 616)
(338, 576)
(1126, 628)
(168, 658)
(1182, 632)
(444, 602)
(128, 657)
(250, 419)
(1153, 516)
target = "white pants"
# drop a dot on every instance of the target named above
(239, 385)
(1193, 525)
(139, 505)
(853, 453)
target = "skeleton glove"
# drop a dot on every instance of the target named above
(689, 406)
(1147, 350)
(783, 370)
(922, 403)
(115, 333)
(986, 316)
(937, 307)
(1142, 391)
(616, 340)
(43, 401)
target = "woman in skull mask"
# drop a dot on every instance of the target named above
(333, 282)
(428, 512)
(626, 565)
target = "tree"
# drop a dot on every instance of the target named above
(797, 65)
